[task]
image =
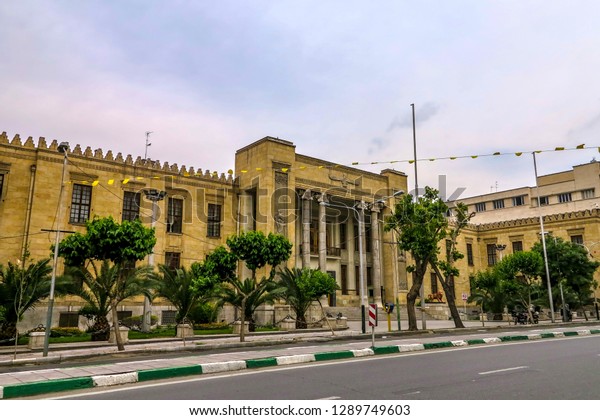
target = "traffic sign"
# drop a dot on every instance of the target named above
(465, 296)
(372, 315)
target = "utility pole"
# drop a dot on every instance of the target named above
(147, 143)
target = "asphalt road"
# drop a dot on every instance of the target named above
(560, 369)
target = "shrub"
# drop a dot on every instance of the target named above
(66, 332)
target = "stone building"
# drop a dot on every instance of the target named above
(509, 221)
(329, 212)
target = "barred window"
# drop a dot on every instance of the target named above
(491, 254)
(214, 221)
(564, 198)
(68, 320)
(479, 207)
(131, 205)
(585, 194)
(1, 184)
(519, 200)
(80, 203)
(470, 260)
(175, 215)
(498, 204)
(173, 260)
(517, 246)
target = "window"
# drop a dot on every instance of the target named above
(585, 194)
(168, 318)
(80, 203)
(343, 238)
(368, 239)
(544, 201)
(356, 239)
(470, 255)
(175, 215)
(68, 320)
(480, 207)
(517, 246)
(213, 228)
(518, 201)
(434, 283)
(491, 254)
(498, 204)
(344, 279)
(564, 198)
(577, 239)
(131, 206)
(1, 184)
(172, 260)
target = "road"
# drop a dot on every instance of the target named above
(561, 369)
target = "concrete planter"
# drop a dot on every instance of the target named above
(185, 330)
(341, 322)
(288, 324)
(36, 340)
(237, 327)
(124, 334)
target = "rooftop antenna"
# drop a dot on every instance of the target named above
(147, 143)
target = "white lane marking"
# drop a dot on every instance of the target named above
(333, 397)
(412, 393)
(503, 370)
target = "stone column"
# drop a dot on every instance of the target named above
(376, 244)
(362, 247)
(245, 214)
(352, 279)
(323, 232)
(306, 199)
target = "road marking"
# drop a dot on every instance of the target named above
(503, 370)
(330, 398)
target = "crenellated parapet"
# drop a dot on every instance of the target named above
(529, 221)
(110, 157)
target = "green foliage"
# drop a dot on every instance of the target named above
(22, 286)
(487, 291)
(302, 287)
(185, 288)
(257, 250)
(520, 275)
(105, 239)
(204, 313)
(570, 264)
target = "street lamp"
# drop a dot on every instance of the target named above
(154, 196)
(537, 189)
(63, 148)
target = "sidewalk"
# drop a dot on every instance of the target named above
(342, 344)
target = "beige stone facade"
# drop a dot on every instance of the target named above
(316, 204)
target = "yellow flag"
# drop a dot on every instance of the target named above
(125, 181)
(111, 181)
(518, 153)
(96, 182)
(581, 146)
(497, 153)
(559, 148)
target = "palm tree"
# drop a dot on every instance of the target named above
(21, 288)
(103, 286)
(181, 288)
(247, 296)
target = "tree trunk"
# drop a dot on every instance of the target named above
(243, 317)
(450, 298)
(411, 297)
(115, 317)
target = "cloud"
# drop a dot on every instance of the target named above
(377, 144)
(422, 114)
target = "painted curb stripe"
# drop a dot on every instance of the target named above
(534, 337)
(333, 355)
(594, 331)
(35, 388)
(440, 345)
(411, 347)
(299, 358)
(152, 374)
(514, 338)
(260, 363)
(115, 379)
(570, 333)
(223, 366)
(386, 350)
(547, 335)
(583, 332)
(459, 343)
(363, 352)
(476, 341)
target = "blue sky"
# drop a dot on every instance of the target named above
(335, 77)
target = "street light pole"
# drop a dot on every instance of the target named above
(63, 148)
(537, 189)
(154, 196)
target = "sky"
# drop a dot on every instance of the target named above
(336, 78)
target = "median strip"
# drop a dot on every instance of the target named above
(60, 385)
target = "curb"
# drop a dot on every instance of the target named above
(71, 384)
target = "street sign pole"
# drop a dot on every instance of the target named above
(373, 321)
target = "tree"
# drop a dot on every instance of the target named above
(568, 263)
(256, 250)
(97, 283)
(487, 291)
(184, 288)
(107, 240)
(446, 269)
(22, 286)
(302, 287)
(520, 276)
(420, 226)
